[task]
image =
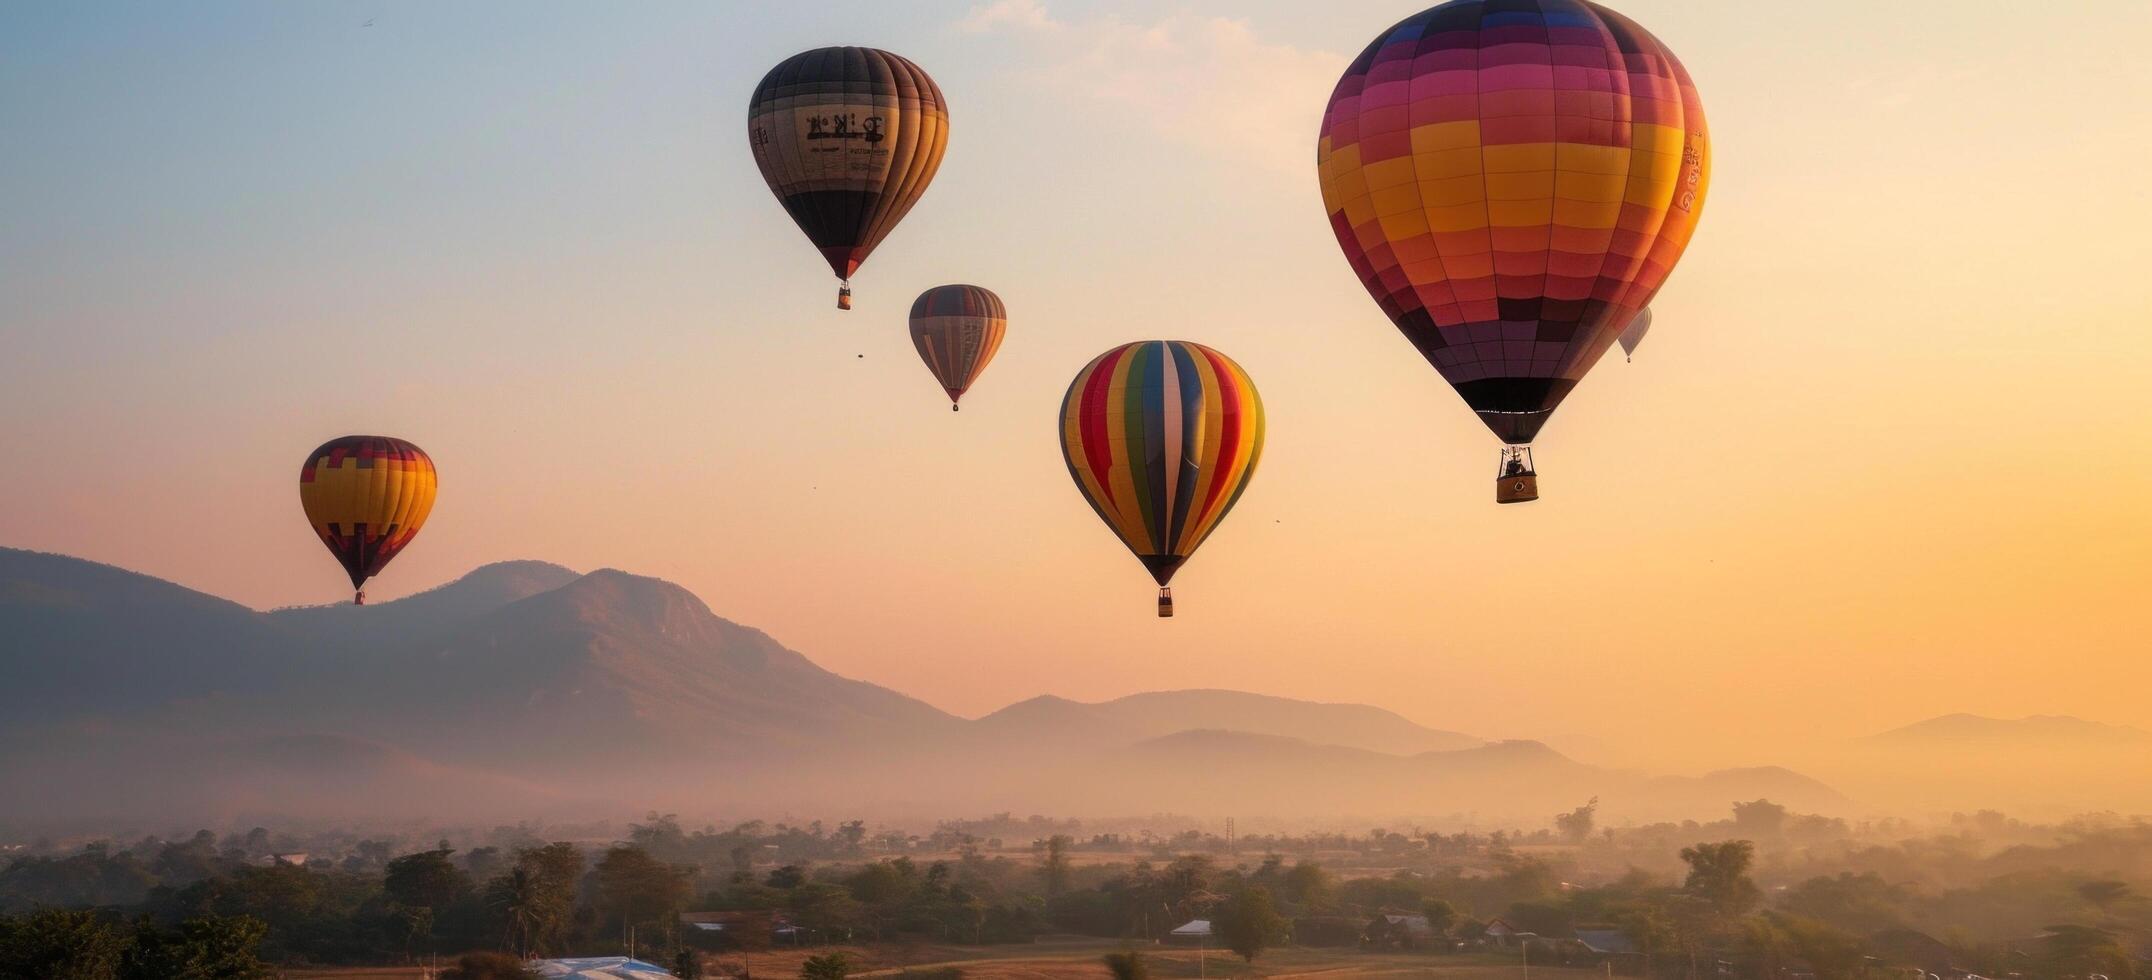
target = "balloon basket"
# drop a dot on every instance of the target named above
(1165, 603)
(358, 598)
(844, 296)
(1515, 480)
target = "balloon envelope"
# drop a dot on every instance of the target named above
(848, 139)
(1162, 437)
(1512, 182)
(1633, 335)
(956, 330)
(367, 497)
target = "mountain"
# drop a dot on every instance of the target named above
(2040, 767)
(1048, 719)
(525, 689)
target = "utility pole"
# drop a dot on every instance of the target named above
(1525, 946)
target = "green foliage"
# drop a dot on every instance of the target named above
(56, 944)
(79, 945)
(1441, 916)
(641, 892)
(828, 966)
(1718, 873)
(1249, 923)
(1054, 864)
(427, 879)
(1577, 824)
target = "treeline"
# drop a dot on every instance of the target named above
(1764, 894)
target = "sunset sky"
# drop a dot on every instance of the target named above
(1887, 454)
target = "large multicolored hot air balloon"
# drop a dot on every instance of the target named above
(848, 139)
(367, 496)
(957, 329)
(1633, 335)
(1162, 437)
(1512, 180)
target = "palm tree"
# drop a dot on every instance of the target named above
(519, 898)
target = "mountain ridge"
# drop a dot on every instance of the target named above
(545, 686)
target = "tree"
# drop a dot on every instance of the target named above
(56, 944)
(1249, 923)
(687, 965)
(1761, 818)
(829, 966)
(1127, 964)
(533, 903)
(427, 878)
(1577, 824)
(203, 948)
(1441, 917)
(1309, 885)
(638, 891)
(788, 877)
(1718, 873)
(1054, 869)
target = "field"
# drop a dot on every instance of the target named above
(1073, 958)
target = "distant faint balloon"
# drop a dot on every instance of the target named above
(957, 329)
(367, 497)
(1632, 336)
(848, 139)
(1162, 437)
(1512, 182)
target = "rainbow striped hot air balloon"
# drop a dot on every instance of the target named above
(957, 329)
(1162, 437)
(367, 497)
(1513, 180)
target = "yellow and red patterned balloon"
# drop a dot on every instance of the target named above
(1162, 437)
(956, 330)
(1513, 182)
(367, 497)
(848, 139)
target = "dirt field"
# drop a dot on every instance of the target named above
(1071, 958)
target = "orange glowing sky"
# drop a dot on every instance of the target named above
(1887, 454)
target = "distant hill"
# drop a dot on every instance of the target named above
(525, 686)
(1144, 716)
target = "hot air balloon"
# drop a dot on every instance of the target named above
(1162, 437)
(848, 139)
(957, 329)
(1512, 182)
(1633, 334)
(367, 496)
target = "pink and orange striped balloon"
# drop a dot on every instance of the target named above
(1513, 180)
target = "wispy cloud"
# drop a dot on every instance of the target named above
(1022, 15)
(1212, 82)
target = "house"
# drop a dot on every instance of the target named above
(1502, 932)
(1194, 932)
(1606, 942)
(1400, 930)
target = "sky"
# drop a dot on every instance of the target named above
(1887, 454)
